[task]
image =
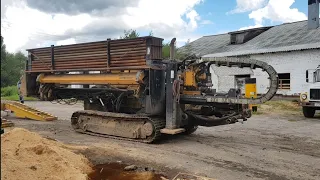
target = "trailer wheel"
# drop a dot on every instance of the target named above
(308, 112)
(41, 95)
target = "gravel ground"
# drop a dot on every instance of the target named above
(264, 147)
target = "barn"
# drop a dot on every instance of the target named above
(291, 48)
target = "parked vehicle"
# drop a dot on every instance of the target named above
(310, 99)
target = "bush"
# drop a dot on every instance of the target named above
(9, 91)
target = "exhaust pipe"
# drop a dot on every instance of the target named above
(172, 48)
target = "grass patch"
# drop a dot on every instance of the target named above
(283, 105)
(257, 112)
(11, 93)
(16, 98)
(280, 107)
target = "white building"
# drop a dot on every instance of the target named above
(291, 48)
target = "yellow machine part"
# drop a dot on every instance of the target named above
(22, 111)
(251, 92)
(124, 78)
(189, 79)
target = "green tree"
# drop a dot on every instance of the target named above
(12, 66)
(151, 33)
(166, 50)
(179, 54)
(3, 50)
(4, 73)
(129, 34)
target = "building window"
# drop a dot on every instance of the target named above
(284, 81)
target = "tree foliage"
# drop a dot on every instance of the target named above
(12, 66)
(130, 34)
(3, 51)
(179, 55)
(166, 52)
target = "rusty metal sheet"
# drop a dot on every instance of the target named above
(123, 53)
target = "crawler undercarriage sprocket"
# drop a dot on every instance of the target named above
(132, 127)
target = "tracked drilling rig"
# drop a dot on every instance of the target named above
(136, 95)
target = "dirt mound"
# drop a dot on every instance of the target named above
(26, 155)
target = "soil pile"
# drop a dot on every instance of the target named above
(26, 155)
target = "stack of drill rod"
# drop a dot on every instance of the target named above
(95, 55)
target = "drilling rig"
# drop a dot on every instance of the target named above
(130, 92)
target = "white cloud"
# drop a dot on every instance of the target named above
(25, 27)
(205, 22)
(276, 11)
(251, 27)
(248, 5)
(164, 17)
(66, 41)
(193, 17)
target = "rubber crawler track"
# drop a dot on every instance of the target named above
(157, 123)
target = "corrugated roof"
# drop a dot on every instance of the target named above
(206, 44)
(285, 37)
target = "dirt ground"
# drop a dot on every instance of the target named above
(265, 147)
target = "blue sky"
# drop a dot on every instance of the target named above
(217, 12)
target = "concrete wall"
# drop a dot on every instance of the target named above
(223, 78)
(215, 80)
(296, 63)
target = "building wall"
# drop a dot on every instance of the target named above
(295, 62)
(215, 80)
(223, 78)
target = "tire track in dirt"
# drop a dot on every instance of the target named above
(230, 144)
